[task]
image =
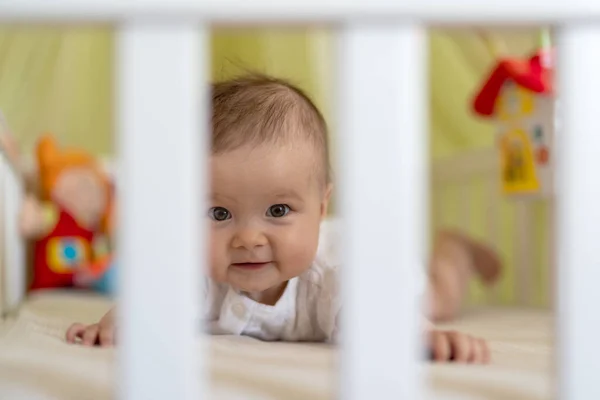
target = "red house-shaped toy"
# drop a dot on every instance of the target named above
(530, 74)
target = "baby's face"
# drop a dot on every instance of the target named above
(266, 207)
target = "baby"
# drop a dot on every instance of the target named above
(456, 257)
(270, 275)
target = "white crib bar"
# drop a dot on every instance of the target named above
(578, 213)
(437, 11)
(161, 121)
(3, 264)
(15, 274)
(383, 180)
(14, 279)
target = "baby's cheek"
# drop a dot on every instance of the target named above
(215, 270)
(301, 253)
(217, 258)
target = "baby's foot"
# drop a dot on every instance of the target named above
(486, 262)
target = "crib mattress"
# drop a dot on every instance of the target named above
(36, 363)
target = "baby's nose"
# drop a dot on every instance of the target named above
(249, 239)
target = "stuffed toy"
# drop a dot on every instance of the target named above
(69, 221)
(99, 276)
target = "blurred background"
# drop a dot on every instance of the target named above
(60, 80)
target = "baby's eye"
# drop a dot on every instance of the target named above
(219, 213)
(278, 210)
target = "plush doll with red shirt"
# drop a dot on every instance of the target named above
(70, 220)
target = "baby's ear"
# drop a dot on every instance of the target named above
(326, 199)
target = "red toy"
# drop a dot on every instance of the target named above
(529, 74)
(518, 96)
(70, 221)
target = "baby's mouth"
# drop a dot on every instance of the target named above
(251, 265)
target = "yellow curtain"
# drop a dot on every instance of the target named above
(58, 80)
(299, 55)
(61, 79)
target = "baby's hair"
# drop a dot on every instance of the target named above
(256, 109)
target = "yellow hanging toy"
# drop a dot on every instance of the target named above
(519, 96)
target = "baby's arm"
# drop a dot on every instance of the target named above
(443, 345)
(101, 333)
(453, 346)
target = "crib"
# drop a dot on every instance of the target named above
(168, 39)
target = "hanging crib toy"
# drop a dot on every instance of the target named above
(519, 97)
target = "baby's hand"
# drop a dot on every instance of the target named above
(458, 347)
(102, 333)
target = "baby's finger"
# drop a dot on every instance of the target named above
(440, 347)
(74, 332)
(90, 336)
(461, 346)
(476, 354)
(106, 337)
(485, 352)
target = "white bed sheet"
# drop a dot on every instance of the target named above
(36, 363)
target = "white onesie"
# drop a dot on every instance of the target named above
(307, 310)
